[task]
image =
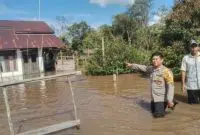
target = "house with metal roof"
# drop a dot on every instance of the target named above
(26, 47)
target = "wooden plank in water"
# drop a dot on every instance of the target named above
(39, 78)
(52, 128)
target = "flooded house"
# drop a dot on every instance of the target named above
(27, 47)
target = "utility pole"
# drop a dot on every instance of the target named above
(39, 10)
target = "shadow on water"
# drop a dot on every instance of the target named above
(181, 98)
(145, 105)
(144, 75)
(129, 98)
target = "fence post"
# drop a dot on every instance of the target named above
(8, 111)
(73, 100)
(103, 49)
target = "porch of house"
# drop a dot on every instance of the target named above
(16, 63)
(27, 63)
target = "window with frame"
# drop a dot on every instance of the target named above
(8, 62)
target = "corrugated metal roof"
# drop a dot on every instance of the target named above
(9, 39)
(27, 26)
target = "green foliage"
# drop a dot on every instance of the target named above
(177, 31)
(183, 23)
(77, 32)
(124, 26)
(130, 39)
(117, 53)
(148, 38)
(173, 56)
(91, 40)
(181, 26)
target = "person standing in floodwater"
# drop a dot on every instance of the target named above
(162, 84)
(190, 69)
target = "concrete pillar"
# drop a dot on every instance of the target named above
(19, 62)
(40, 60)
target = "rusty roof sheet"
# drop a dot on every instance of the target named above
(27, 34)
(10, 40)
(34, 27)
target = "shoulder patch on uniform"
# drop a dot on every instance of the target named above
(168, 76)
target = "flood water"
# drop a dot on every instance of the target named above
(104, 107)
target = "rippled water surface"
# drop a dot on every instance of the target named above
(104, 107)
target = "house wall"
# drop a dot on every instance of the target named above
(19, 63)
(6, 75)
(18, 74)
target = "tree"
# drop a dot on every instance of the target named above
(91, 41)
(137, 16)
(106, 31)
(116, 54)
(162, 13)
(60, 29)
(62, 25)
(124, 26)
(140, 11)
(184, 9)
(147, 38)
(183, 24)
(77, 32)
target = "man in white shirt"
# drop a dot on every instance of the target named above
(190, 69)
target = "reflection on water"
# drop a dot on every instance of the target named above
(106, 106)
(43, 88)
(115, 83)
(115, 87)
(22, 93)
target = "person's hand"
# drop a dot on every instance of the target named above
(128, 64)
(170, 104)
(183, 89)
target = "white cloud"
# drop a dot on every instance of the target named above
(103, 3)
(156, 19)
(7, 10)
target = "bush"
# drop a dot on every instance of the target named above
(173, 56)
(117, 53)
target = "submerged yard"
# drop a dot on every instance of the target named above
(104, 107)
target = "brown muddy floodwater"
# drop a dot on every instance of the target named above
(104, 107)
